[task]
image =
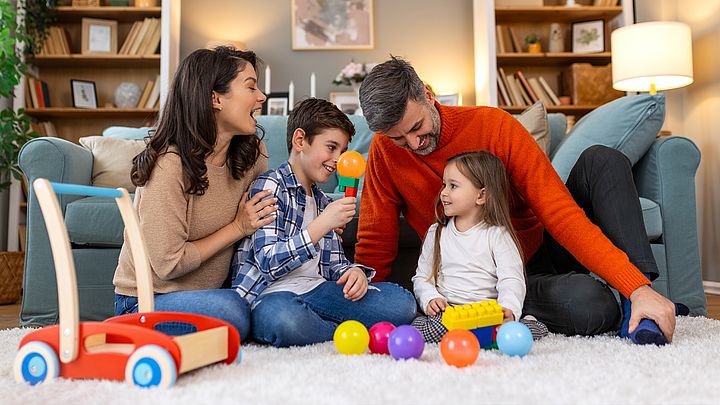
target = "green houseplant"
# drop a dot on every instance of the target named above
(533, 43)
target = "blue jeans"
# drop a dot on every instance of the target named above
(224, 304)
(286, 319)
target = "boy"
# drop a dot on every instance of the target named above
(293, 271)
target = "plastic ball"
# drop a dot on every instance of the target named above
(127, 95)
(379, 336)
(514, 339)
(351, 337)
(406, 342)
(459, 348)
(351, 164)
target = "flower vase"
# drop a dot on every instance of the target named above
(356, 89)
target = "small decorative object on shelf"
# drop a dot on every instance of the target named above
(556, 43)
(353, 74)
(99, 36)
(533, 43)
(588, 37)
(127, 95)
(84, 94)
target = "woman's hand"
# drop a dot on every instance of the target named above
(254, 213)
(356, 283)
(436, 306)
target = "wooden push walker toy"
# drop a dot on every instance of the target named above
(126, 347)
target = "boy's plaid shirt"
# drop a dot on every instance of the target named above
(282, 246)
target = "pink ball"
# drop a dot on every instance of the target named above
(379, 336)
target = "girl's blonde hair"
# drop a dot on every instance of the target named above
(484, 170)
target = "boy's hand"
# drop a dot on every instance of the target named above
(338, 213)
(356, 283)
(435, 306)
(254, 213)
(508, 315)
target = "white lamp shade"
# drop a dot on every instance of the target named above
(654, 52)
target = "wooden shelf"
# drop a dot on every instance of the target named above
(555, 13)
(561, 58)
(68, 112)
(76, 14)
(90, 61)
(565, 109)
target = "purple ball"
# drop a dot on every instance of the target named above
(406, 342)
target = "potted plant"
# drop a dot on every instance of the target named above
(533, 43)
(15, 128)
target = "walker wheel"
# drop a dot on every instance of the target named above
(36, 362)
(151, 366)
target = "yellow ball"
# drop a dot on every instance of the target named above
(351, 337)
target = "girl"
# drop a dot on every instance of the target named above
(190, 180)
(471, 253)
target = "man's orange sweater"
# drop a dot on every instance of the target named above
(398, 180)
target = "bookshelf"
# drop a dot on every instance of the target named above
(493, 20)
(107, 71)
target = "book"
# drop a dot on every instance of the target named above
(503, 92)
(140, 36)
(46, 94)
(130, 38)
(499, 38)
(549, 90)
(38, 90)
(154, 94)
(514, 39)
(535, 86)
(514, 91)
(145, 94)
(153, 41)
(33, 101)
(523, 93)
(526, 86)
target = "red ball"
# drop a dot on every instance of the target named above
(459, 348)
(379, 336)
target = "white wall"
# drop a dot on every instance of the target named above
(694, 111)
(435, 36)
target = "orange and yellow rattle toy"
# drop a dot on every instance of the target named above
(350, 167)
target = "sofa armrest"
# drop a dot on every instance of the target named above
(666, 175)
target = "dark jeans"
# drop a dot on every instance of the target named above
(561, 292)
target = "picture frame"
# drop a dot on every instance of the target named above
(99, 37)
(347, 102)
(84, 94)
(332, 24)
(588, 36)
(276, 104)
(448, 99)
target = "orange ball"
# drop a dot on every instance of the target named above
(351, 164)
(459, 348)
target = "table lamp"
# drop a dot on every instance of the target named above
(652, 56)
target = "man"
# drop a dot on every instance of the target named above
(562, 242)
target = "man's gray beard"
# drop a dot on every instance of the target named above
(432, 138)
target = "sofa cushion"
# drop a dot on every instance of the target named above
(94, 221)
(127, 132)
(112, 160)
(628, 124)
(652, 217)
(535, 120)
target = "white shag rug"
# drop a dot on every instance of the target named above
(559, 369)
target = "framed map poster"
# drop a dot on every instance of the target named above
(332, 24)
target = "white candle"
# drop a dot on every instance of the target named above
(291, 95)
(312, 84)
(267, 79)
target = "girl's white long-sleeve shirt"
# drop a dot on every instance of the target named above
(479, 264)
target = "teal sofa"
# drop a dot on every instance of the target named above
(665, 178)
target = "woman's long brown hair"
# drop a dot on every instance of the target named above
(188, 121)
(484, 170)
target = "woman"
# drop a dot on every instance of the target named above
(191, 179)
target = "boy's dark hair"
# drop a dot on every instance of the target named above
(313, 115)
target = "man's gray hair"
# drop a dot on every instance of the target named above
(385, 92)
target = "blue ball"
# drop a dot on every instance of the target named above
(514, 339)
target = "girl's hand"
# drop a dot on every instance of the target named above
(356, 283)
(508, 315)
(435, 306)
(254, 213)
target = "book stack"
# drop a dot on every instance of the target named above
(44, 128)
(507, 40)
(150, 97)
(57, 42)
(518, 90)
(37, 94)
(143, 38)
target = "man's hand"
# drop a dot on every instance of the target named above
(356, 283)
(435, 306)
(647, 303)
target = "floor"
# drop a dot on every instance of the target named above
(9, 313)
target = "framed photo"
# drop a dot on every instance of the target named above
(84, 94)
(276, 104)
(588, 37)
(99, 36)
(346, 102)
(449, 99)
(332, 24)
